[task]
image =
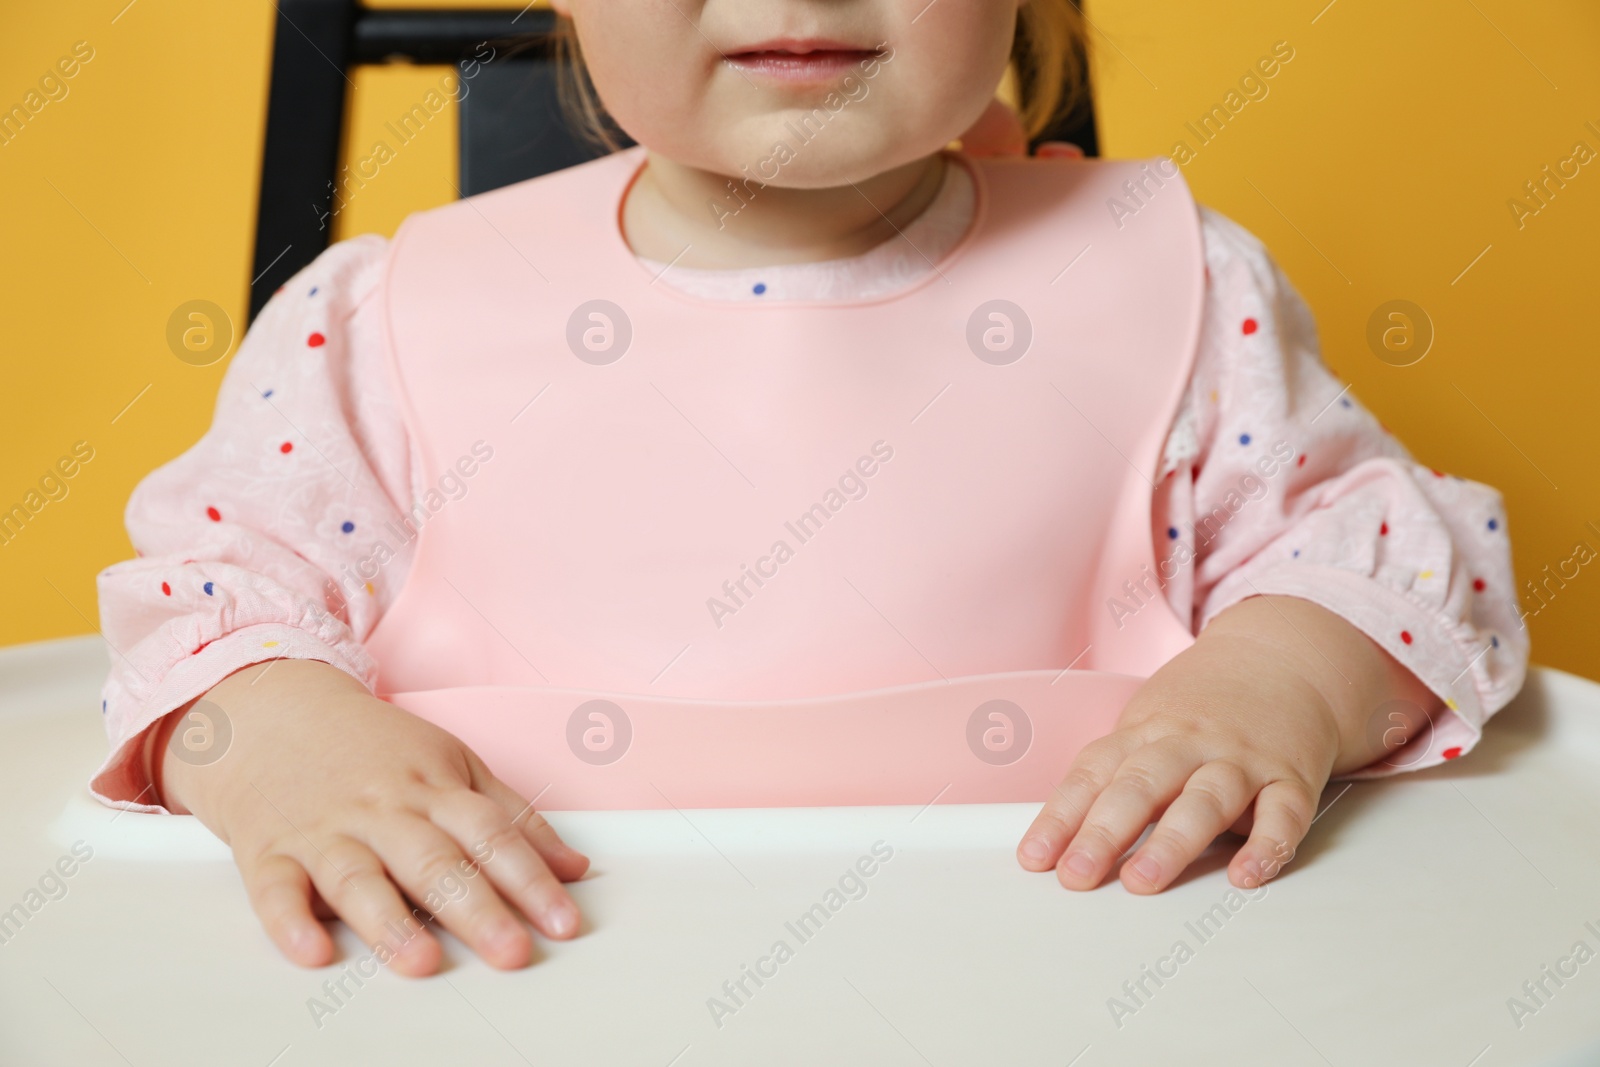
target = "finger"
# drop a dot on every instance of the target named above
(430, 866)
(1284, 810)
(566, 862)
(1046, 838)
(483, 828)
(280, 894)
(1212, 799)
(320, 907)
(352, 880)
(1242, 824)
(1145, 783)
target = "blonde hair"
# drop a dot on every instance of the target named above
(1049, 57)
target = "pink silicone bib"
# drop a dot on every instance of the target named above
(732, 554)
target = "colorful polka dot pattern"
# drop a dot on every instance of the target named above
(1407, 639)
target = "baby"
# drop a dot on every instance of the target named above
(1118, 452)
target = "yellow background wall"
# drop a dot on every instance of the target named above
(1378, 167)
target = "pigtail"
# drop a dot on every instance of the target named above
(576, 93)
(1050, 56)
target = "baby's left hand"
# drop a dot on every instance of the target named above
(1242, 731)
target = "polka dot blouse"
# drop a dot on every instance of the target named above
(1274, 480)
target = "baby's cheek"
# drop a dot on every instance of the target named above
(647, 61)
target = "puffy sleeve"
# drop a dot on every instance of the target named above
(1275, 480)
(250, 545)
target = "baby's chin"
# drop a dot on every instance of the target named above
(779, 149)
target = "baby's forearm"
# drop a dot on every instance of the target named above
(1360, 681)
(260, 685)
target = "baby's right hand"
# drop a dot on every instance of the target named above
(335, 800)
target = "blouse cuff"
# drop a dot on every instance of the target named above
(121, 781)
(1447, 655)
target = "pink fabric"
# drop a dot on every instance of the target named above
(244, 543)
(895, 264)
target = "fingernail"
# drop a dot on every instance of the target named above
(504, 935)
(1036, 849)
(1079, 864)
(303, 938)
(1251, 874)
(1148, 869)
(562, 920)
